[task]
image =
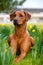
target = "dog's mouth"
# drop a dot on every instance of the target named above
(16, 24)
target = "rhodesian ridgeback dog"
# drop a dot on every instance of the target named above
(20, 41)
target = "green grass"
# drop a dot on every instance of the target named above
(34, 56)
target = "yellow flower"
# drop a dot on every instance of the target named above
(33, 30)
(6, 50)
(30, 26)
(3, 24)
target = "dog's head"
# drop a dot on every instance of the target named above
(19, 17)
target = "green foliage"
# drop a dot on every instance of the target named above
(34, 31)
(7, 5)
(5, 31)
(34, 57)
(6, 57)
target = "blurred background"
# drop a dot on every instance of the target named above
(34, 7)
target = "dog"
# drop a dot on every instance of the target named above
(20, 41)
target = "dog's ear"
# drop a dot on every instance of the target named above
(12, 16)
(28, 16)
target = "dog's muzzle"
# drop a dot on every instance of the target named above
(15, 22)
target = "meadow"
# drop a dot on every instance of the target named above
(34, 56)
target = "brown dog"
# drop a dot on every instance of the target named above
(20, 41)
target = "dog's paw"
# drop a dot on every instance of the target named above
(16, 60)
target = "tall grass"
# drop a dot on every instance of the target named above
(6, 57)
(34, 57)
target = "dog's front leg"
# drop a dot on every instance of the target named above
(13, 46)
(21, 56)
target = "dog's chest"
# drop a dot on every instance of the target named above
(20, 40)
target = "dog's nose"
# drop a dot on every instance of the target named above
(15, 20)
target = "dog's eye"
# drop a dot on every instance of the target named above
(21, 15)
(14, 15)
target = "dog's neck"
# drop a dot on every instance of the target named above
(20, 31)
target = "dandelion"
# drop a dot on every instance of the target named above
(30, 26)
(33, 30)
(3, 24)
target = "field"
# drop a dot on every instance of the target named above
(34, 57)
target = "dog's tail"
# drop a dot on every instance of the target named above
(32, 41)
